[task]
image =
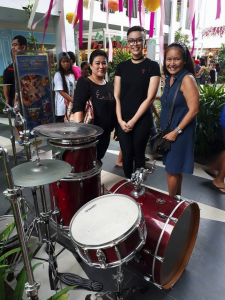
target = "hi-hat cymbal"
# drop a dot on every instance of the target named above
(32, 174)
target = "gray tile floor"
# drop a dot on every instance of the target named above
(203, 278)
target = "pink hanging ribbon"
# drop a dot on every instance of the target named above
(151, 30)
(140, 5)
(63, 35)
(107, 28)
(143, 14)
(35, 24)
(46, 22)
(130, 11)
(193, 35)
(161, 36)
(74, 15)
(218, 12)
(80, 17)
(120, 5)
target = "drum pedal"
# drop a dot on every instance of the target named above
(87, 284)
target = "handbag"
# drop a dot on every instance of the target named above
(161, 145)
(89, 116)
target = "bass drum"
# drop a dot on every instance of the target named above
(69, 194)
(172, 227)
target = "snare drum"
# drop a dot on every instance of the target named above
(107, 231)
(82, 157)
(72, 192)
(172, 227)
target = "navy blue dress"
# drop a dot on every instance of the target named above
(180, 159)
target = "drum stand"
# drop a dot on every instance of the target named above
(31, 287)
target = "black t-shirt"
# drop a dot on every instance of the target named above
(8, 78)
(103, 101)
(212, 74)
(135, 80)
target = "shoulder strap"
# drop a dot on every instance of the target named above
(173, 103)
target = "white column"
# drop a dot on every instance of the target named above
(172, 21)
(58, 36)
(183, 14)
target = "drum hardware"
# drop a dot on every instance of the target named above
(163, 216)
(160, 201)
(161, 259)
(25, 135)
(178, 198)
(31, 287)
(9, 111)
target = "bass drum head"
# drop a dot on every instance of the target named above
(180, 246)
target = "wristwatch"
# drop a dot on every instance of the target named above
(178, 130)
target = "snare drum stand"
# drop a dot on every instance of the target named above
(31, 287)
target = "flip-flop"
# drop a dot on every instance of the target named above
(219, 189)
(209, 173)
(118, 167)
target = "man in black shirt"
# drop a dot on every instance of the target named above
(19, 44)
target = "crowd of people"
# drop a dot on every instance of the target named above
(128, 107)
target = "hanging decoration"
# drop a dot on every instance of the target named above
(90, 27)
(80, 17)
(161, 35)
(214, 31)
(120, 5)
(62, 21)
(142, 13)
(152, 19)
(35, 24)
(31, 19)
(69, 18)
(218, 11)
(152, 5)
(86, 4)
(46, 22)
(107, 28)
(130, 10)
(192, 22)
(113, 5)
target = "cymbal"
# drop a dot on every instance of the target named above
(31, 174)
(69, 131)
(5, 84)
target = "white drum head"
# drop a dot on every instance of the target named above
(104, 220)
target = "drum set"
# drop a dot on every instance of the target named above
(132, 223)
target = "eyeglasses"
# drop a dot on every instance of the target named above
(138, 41)
(15, 44)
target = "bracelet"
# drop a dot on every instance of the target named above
(178, 130)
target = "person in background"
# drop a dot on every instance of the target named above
(64, 85)
(19, 44)
(102, 99)
(212, 73)
(76, 70)
(217, 69)
(85, 69)
(178, 66)
(135, 86)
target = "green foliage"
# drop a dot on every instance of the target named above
(221, 78)
(208, 131)
(61, 294)
(180, 37)
(121, 55)
(221, 56)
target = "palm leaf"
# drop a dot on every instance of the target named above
(58, 295)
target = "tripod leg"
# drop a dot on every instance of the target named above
(37, 213)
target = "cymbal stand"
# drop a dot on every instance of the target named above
(25, 135)
(31, 287)
(9, 110)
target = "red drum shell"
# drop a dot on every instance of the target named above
(82, 157)
(178, 239)
(71, 194)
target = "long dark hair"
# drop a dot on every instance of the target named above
(61, 71)
(186, 57)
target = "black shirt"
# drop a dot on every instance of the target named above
(135, 80)
(103, 101)
(8, 78)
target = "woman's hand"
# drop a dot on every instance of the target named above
(171, 136)
(124, 126)
(130, 124)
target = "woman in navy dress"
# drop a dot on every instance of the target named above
(178, 67)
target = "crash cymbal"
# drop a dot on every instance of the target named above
(69, 131)
(32, 174)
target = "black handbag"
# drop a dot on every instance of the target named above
(161, 145)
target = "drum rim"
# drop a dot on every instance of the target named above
(190, 246)
(117, 240)
(72, 141)
(83, 175)
(51, 142)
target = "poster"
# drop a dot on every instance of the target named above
(35, 89)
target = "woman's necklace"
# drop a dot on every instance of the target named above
(138, 58)
(97, 82)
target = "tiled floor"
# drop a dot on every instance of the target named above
(203, 278)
